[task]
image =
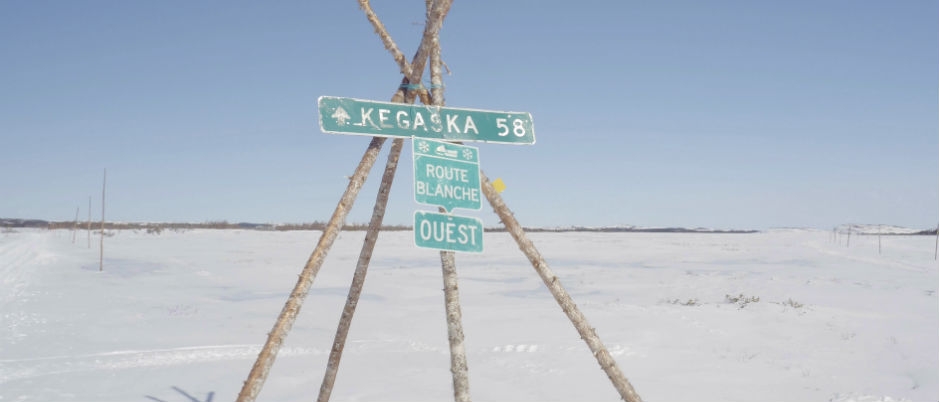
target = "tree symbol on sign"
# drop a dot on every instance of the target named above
(341, 116)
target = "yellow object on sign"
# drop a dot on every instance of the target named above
(499, 185)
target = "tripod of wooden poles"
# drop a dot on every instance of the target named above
(407, 92)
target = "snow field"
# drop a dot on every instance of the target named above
(181, 317)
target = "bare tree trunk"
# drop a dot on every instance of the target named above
(587, 333)
(288, 315)
(104, 186)
(361, 269)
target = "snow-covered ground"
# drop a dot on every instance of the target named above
(180, 317)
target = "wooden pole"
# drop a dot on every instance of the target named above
(587, 333)
(413, 72)
(458, 363)
(104, 186)
(458, 366)
(361, 269)
(288, 315)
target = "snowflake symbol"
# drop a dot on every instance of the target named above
(468, 154)
(423, 147)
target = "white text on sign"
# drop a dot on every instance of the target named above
(448, 232)
(447, 182)
(404, 121)
(446, 174)
(354, 116)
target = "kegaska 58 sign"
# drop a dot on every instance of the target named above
(446, 175)
(386, 119)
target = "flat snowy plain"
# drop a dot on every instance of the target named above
(180, 317)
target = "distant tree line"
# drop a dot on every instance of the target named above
(630, 229)
(316, 225)
(158, 227)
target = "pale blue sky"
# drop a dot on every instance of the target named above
(722, 114)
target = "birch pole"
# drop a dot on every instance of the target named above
(378, 212)
(587, 333)
(262, 366)
(361, 269)
(288, 314)
(410, 71)
(458, 364)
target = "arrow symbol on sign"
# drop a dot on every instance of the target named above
(341, 116)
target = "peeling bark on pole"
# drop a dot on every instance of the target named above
(413, 72)
(288, 315)
(361, 269)
(436, 12)
(587, 333)
(458, 365)
(386, 38)
(458, 362)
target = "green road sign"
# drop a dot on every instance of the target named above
(385, 119)
(448, 232)
(446, 174)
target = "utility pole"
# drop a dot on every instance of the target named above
(104, 186)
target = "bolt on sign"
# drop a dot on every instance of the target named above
(446, 175)
(448, 232)
(386, 119)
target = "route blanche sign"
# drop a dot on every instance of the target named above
(446, 175)
(448, 232)
(386, 119)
